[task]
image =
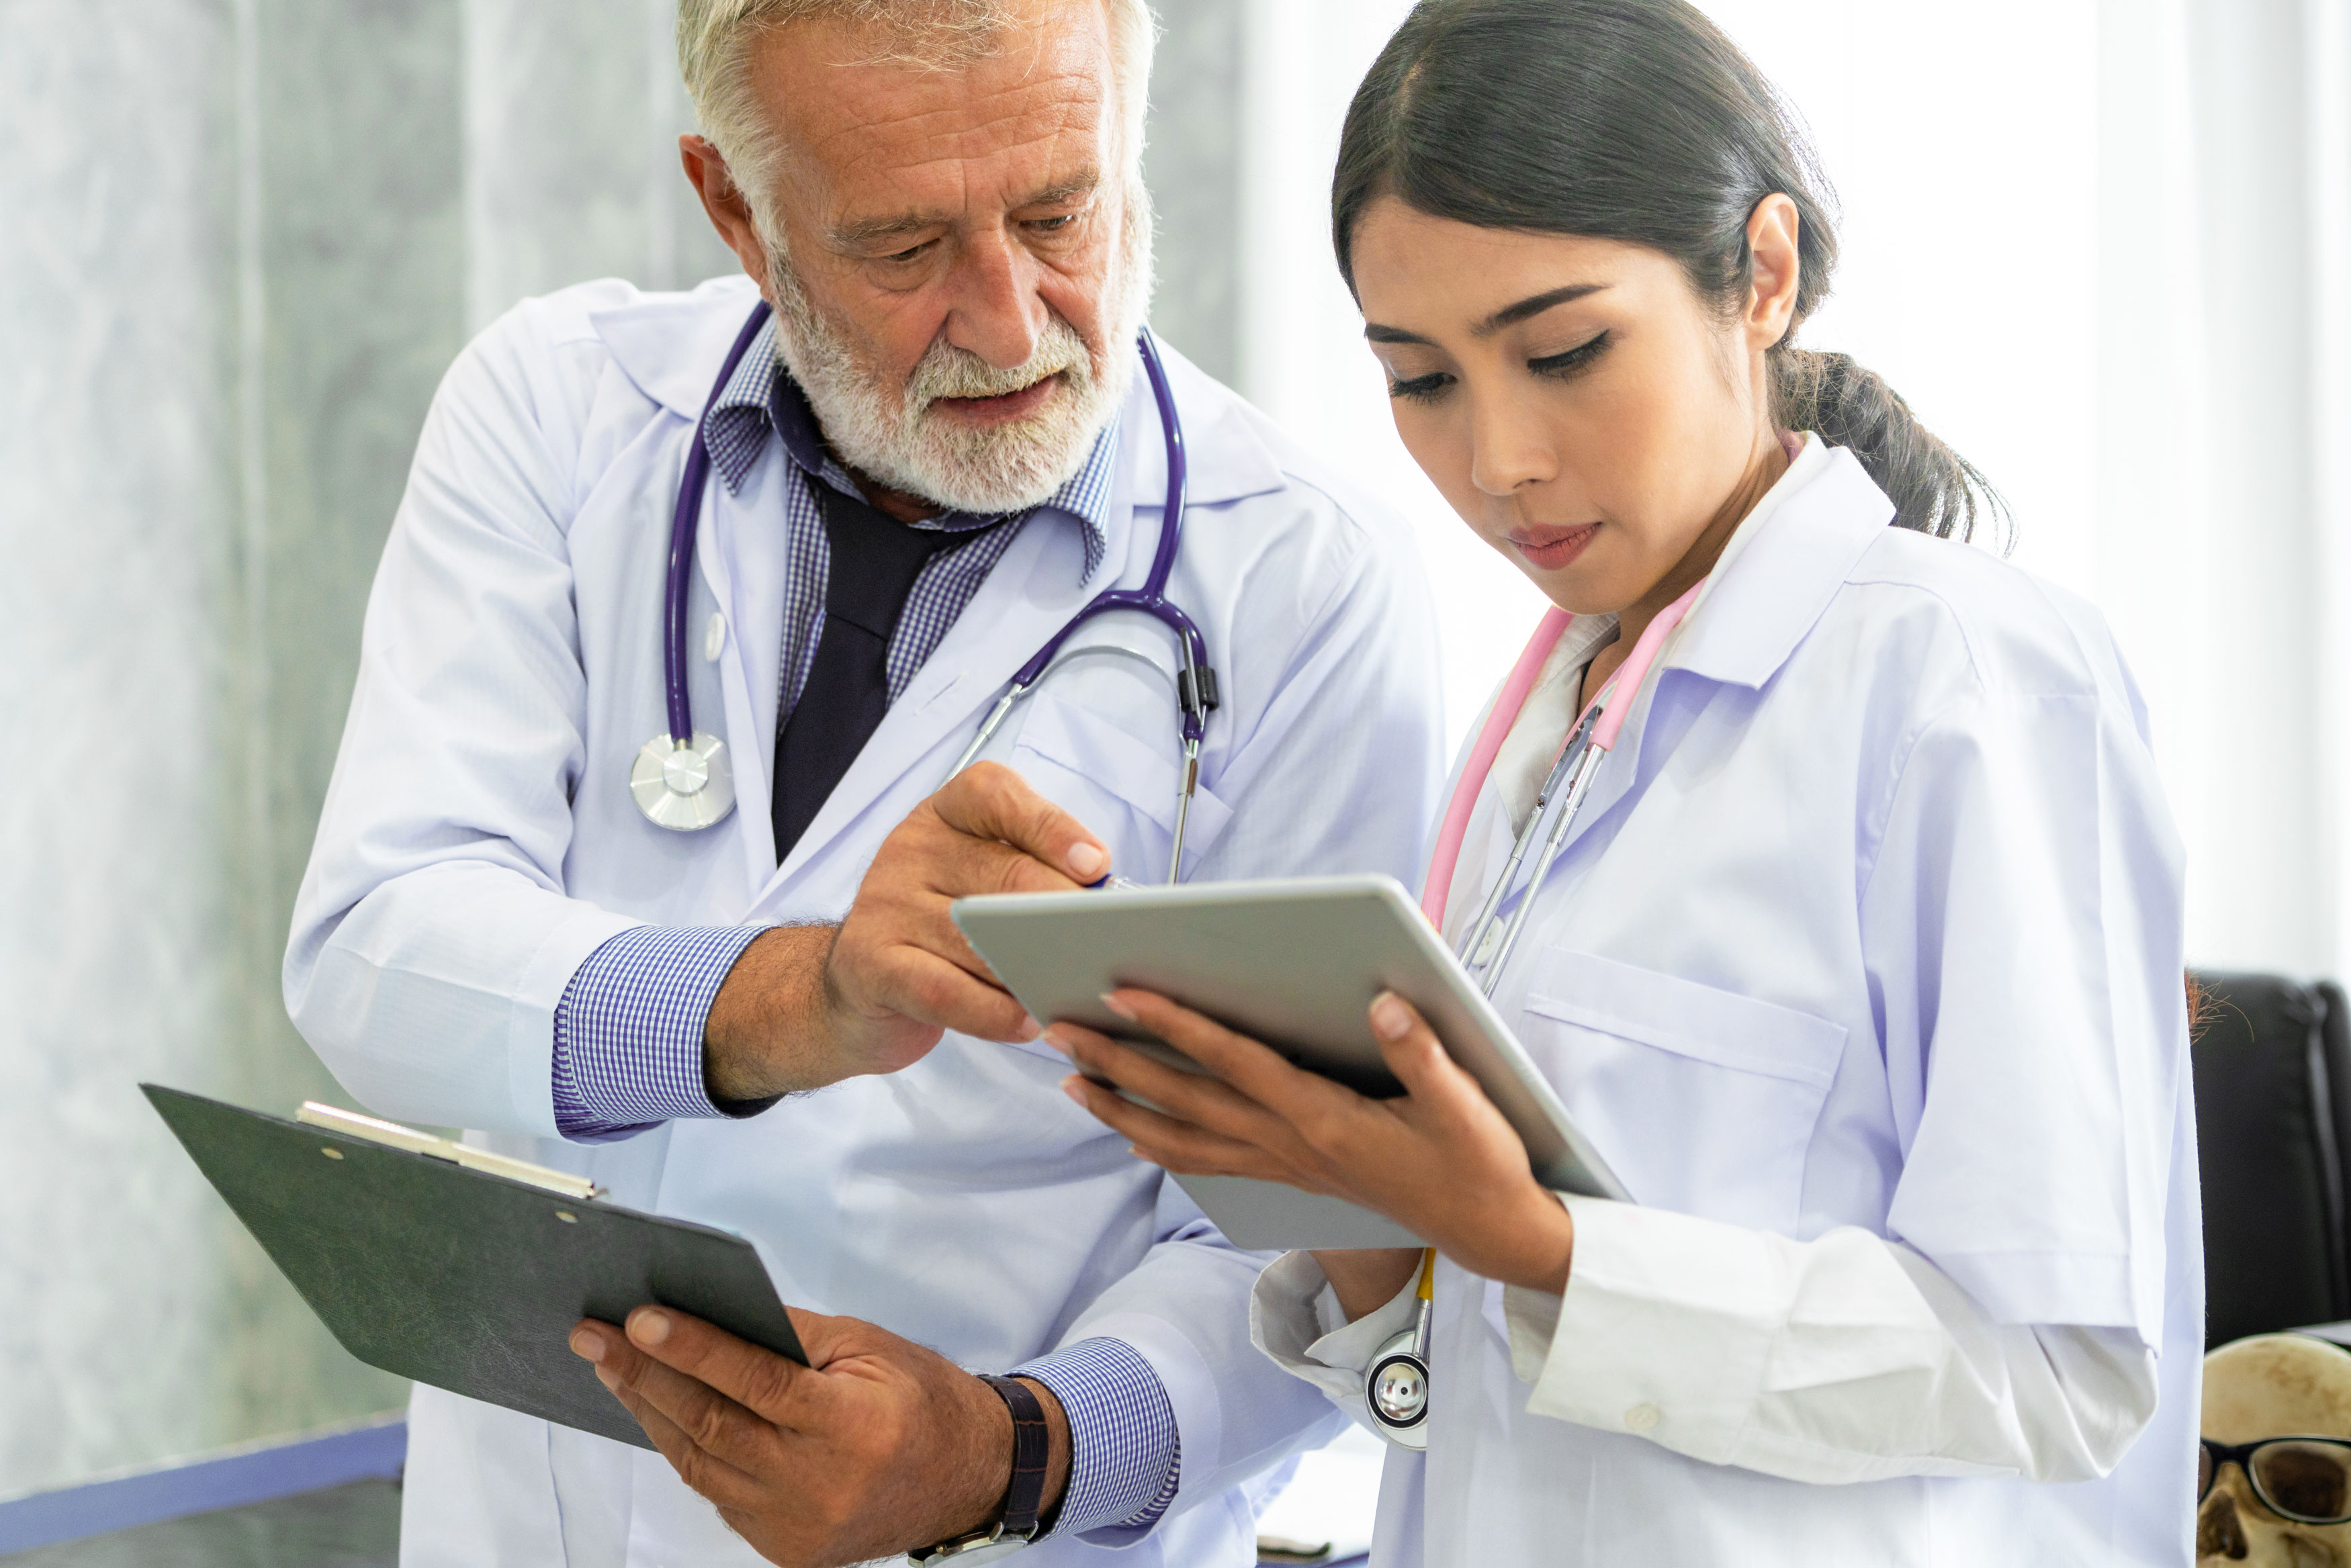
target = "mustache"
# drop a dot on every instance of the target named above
(947, 371)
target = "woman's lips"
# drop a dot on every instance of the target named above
(1001, 410)
(1551, 548)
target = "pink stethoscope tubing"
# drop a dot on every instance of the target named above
(1596, 728)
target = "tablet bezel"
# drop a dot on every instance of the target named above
(1058, 952)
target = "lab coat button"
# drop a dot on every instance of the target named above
(1640, 1418)
(713, 638)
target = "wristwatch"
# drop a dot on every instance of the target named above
(1015, 1523)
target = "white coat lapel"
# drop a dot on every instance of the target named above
(1761, 606)
(750, 595)
(1031, 593)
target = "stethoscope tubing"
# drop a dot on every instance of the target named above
(685, 524)
(1578, 763)
(1196, 681)
(1568, 781)
(1151, 598)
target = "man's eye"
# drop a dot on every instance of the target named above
(1054, 225)
(912, 253)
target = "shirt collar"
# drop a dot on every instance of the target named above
(761, 398)
(1787, 560)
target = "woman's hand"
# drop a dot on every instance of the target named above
(1439, 1159)
(1366, 1279)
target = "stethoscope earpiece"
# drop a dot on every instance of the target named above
(682, 788)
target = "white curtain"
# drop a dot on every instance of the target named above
(2102, 246)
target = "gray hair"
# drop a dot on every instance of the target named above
(714, 40)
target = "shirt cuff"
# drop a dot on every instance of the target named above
(628, 1032)
(1125, 1453)
(1664, 1331)
(1296, 1320)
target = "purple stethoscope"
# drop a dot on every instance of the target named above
(683, 780)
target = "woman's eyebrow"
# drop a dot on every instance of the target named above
(1508, 315)
(1533, 304)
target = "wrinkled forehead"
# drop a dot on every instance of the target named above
(872, 122)
(2268, 1388)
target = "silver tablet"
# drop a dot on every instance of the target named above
(1294, 963)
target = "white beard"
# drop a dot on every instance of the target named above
(889, 433)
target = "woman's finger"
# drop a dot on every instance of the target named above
(1413, 1054)
(1182, 1146)
(1187, 1096)
(1441, 1097)
(1254, 1068)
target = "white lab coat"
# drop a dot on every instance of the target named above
(479, 841)
(1863, 970)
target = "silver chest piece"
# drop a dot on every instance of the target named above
(1396, 1387)
(1397, 1392)
(682, 788)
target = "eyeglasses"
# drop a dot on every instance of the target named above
(2307, 1479)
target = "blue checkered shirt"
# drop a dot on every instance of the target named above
(628, 1032)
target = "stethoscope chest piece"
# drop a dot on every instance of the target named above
(682, 788)
(1396, 1387)
(1396, 1390)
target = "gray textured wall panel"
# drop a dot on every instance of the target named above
(116, 497)
(1192, 162)
(245, 239)
(572, 113)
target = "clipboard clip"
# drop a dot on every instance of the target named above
(392, 1134)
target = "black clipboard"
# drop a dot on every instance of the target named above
(461, 1278)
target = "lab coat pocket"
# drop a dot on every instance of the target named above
(1121, 787)
(1701, 1100)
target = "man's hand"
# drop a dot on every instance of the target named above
(809, 1005)
(876, 1448)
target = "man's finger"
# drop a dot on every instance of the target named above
(824, 1339)
(987, 800)
(956, 865)
(711, 1477)
(920, 984)
(665, 1403)
(770, 1388)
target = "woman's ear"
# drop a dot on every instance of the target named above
(1777, 271)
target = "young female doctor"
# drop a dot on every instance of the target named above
(1861, 964)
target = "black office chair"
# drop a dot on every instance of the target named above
(2272, 1064)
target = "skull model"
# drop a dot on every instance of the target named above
(2274, 1385)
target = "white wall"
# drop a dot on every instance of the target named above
(1303, 358)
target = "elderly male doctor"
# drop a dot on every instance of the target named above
(937, 450)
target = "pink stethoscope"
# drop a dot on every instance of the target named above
(1395, 1383)
(1592, 737)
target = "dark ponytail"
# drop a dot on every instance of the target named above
(1635, 120)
